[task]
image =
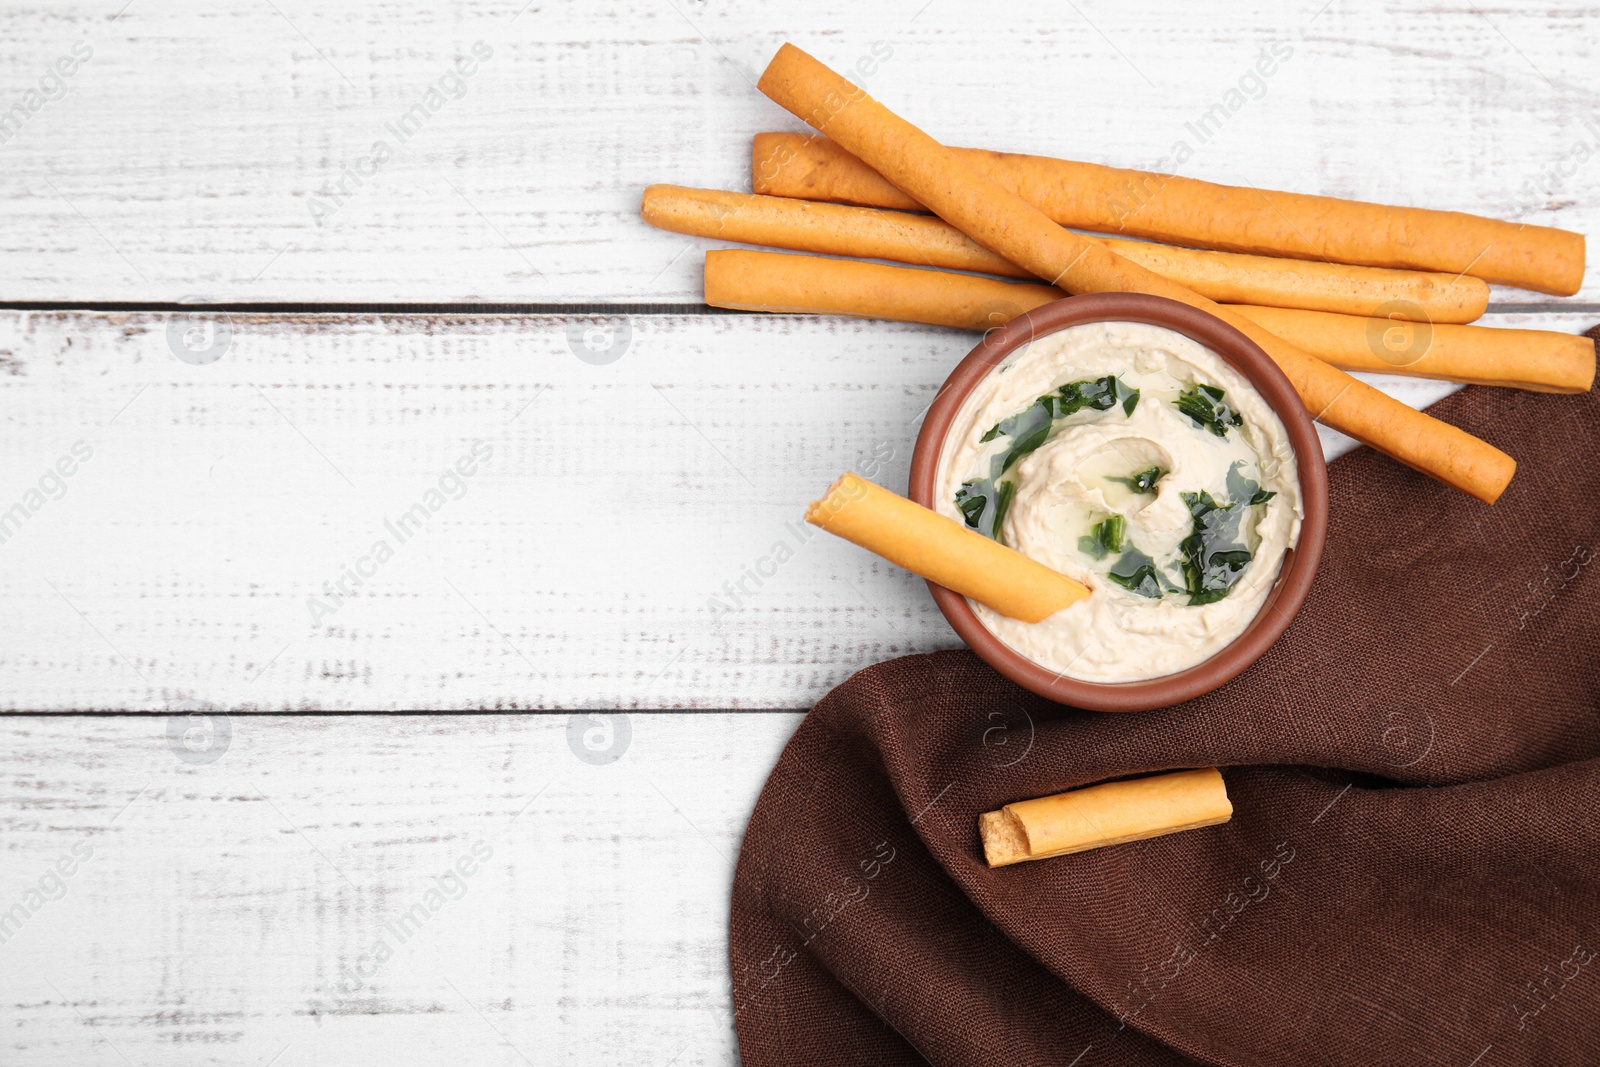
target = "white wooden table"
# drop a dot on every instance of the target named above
(204, 885)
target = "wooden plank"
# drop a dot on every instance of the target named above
(200, 149)
(616, 542)
(577, 568)
(159, 909)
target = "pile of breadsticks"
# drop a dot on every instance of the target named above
(1324, 286)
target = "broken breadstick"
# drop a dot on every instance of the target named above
(1009, 226)
(1101, 815)
(1187, 211)
(1226, 277)
(1539, 360)
(942, 550)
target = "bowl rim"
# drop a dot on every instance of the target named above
(1300, 561)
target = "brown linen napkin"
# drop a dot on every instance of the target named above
(1411, 876)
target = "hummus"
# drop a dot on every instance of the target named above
(1137, 461)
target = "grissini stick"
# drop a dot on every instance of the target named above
(922, 240)
(1007, 225)
(818, 285)
(832, 229)
(1109, 814)
(1538, 360)
(942, 550)
(1235, 278)
(1187, 211)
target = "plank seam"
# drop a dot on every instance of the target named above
(10, 716)
(188, 307)
(572, 309)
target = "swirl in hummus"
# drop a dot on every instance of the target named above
(1137, 461)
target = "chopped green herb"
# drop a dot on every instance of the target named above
(1213, 557)
(1142, 482)
(1099, 394)
(1104, 537)
(983, 501)
(1007, 492)
(970, 503)
(1245, 489)
(1136, 572)
(1206, 407)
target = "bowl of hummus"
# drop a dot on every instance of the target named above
(1152, 452)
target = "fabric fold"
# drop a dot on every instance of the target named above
(1411, 875)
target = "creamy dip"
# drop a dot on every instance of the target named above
(1135, 460)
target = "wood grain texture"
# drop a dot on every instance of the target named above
(577, 569)
(230, 912)
(632, 540)
(186, 156)
(224, 904)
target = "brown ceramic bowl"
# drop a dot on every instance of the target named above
(1299, 565)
